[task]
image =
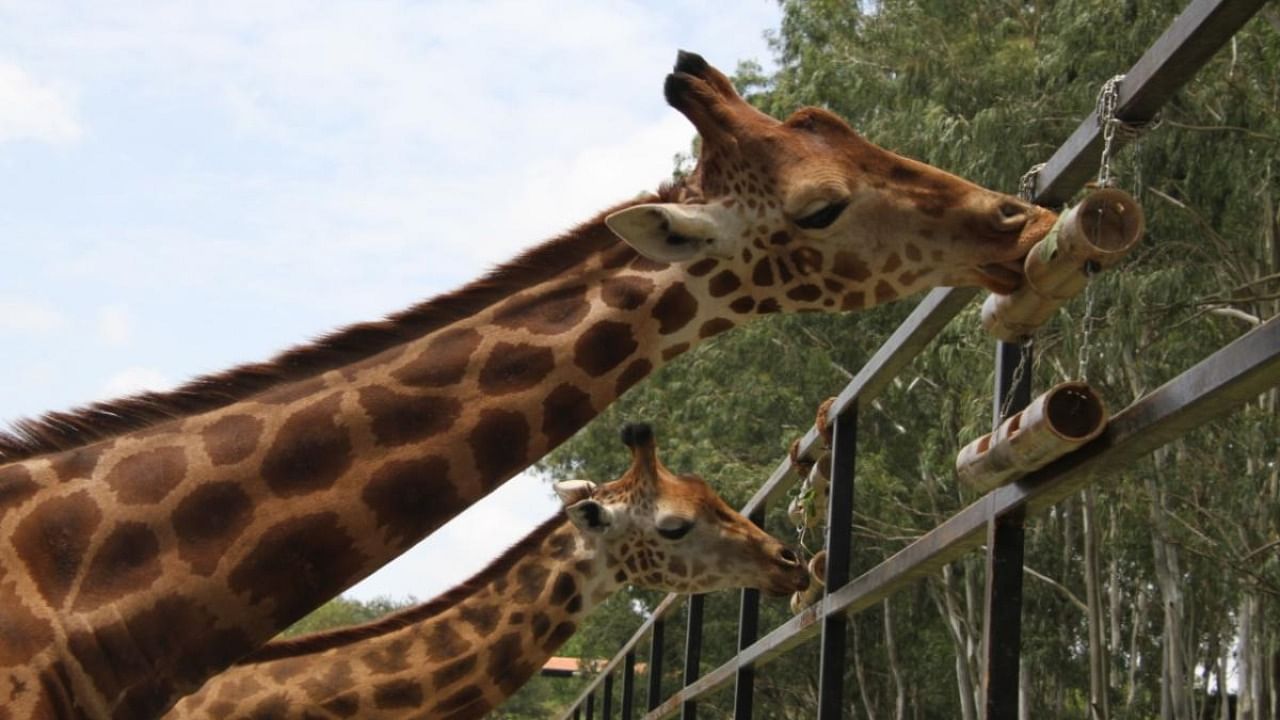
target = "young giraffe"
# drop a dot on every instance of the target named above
(147, 543)
(461, 654)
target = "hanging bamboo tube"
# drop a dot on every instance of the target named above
(818, 579)
(1064, 418)
(1098, 232)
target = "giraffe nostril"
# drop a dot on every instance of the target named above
(787, 556)
(1010, 215)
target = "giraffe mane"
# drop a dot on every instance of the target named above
(340, 637)
(63, 430)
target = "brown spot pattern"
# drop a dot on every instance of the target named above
(563, 589)
(891, 263)
(52, 541)
(564, 411)
(310, 452)
(850, 266)
(703, 266)
(675, 350)
(724, 283)
(127, 562)
(807, 260)
(515, 367)
(16, 486)
(762, 275)
(626, 293)
(529, 579)
(913, 253)
(885, 292)
(548, 313)
(411, 498)
(22, 633)
(500, 445)
(744, 304)
(634, 373)
(401, 419)
(232, 438)
(805, 293)
(400, 693)
(784, 273)
(443, 361)
(208, 521)
(298, 564)
(453, 671)
(767, 306)
(674, 309)
(604, 346)
(389, 658)
(506, 665)
(780, 238)
(78, 462)
(484, 618)
(714, 326)
(147, 477)
(444, 642)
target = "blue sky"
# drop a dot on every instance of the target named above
(188, 186)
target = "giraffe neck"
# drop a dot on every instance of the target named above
(134, 568)
(457, 656)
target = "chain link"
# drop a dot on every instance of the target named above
(1027, 184)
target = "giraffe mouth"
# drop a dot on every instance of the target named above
(1002, 278)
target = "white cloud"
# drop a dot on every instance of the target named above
(30, 110)
(115, 325)
(28, 316)
(133, 380)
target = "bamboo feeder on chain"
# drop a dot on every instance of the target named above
(1093, 235)
(1061, 420)
(818, 579)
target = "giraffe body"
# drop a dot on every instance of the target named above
(145, 544)
(462, 654)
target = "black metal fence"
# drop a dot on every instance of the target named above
(1216, 386)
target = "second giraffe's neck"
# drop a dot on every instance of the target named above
(458, 656)
(226, 526)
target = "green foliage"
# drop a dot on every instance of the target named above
(343, 611)
(985, 89)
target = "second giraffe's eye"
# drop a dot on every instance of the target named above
(674, 529)
(822, 217)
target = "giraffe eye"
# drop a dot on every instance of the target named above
(822, 217)
(672, 531)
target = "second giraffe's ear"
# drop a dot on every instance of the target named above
(571, 491)
(590, 516)
(670, 232)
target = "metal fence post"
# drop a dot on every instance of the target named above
(748, 632)
(1002, 615)
(628, 684)
(606, 704)
(591, 706)
(692, 654)
(655, 665)
(839, 535)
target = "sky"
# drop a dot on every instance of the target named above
(189, 186)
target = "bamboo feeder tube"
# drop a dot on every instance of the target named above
(817, 580)
(1099, 232)
(1064, 418)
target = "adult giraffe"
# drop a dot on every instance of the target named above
(147, 543)
(463, 653)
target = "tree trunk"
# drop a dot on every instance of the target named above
(1098, 706)
(1175, 680)
(949, 607)
(891, 648)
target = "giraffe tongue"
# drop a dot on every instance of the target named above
(1002, 278)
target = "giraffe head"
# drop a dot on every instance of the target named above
(663, 531)
(808, 215)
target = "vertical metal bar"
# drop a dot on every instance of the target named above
(655, 665)
(577, 713)
(1002, 616)
(748, 632)
(692, 654)
(628, 684)
(844, 447)
(591, 706)
(606, 704)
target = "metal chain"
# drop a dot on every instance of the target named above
(1105, 115)
(1027, 184)
(1024, 358)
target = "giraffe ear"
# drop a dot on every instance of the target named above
(590, 516)
(669, 232)
(571, 491)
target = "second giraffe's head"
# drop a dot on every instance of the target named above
(805, 214)
(663, 531)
